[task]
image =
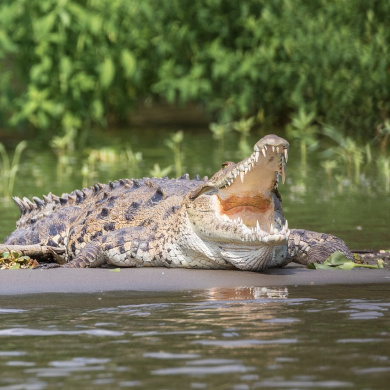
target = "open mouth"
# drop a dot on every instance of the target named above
(247, 194)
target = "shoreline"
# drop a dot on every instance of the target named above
(92, 280)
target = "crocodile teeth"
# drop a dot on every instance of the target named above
(273, 148)
(283, 172)
(242, 174)
(263, 151)
(257, 154)
(285, 151)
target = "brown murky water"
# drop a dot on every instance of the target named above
(246, 338)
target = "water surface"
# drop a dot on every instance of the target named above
(243, 338)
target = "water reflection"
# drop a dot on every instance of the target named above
(216, 294)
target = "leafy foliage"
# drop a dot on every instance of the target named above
(67, 64)
(14, 260)
(338, 261)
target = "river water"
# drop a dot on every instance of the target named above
(244, 338)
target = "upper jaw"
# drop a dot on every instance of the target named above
(269, 154)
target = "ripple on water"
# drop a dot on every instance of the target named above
(64, 368)
(12, 353)
(43, 332)
(204, 370)
(167, 355)
(303, 384)
(11, 311)
(281, 320)
(243, 343)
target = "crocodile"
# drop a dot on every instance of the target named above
(234, 220)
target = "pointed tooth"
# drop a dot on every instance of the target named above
(265, 147)
(273, 148)
(277, 149)
(263, 151)
(285, 151)
(242, 174)
(271, 229)
(257, 154)
(283, 172)
(257, 226)
(226, 218)
(246, 170)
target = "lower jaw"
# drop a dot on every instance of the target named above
(250, 217)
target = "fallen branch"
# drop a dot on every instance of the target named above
(46, 253)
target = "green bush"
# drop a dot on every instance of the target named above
(67, 64)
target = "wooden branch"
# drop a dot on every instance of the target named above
(41, 252)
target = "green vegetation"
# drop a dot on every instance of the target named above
(9, 169)
(15, 260)
(174, 144)
(338, 261)
(72, 65)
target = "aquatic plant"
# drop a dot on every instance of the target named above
(15, 260)
(64, 144)
(88, 170)
(10, 168)
(347, 151)
(384, 169)
(383, 134)
(244, 127)
(303, 130)
(220, 131)
(174, 143)
(133, 160)
(157, 171)
(329, 166)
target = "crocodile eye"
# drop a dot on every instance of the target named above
(227, 163)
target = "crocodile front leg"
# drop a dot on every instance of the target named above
(305, 247)
(90, 256)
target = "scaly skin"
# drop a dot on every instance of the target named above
(232, 220)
